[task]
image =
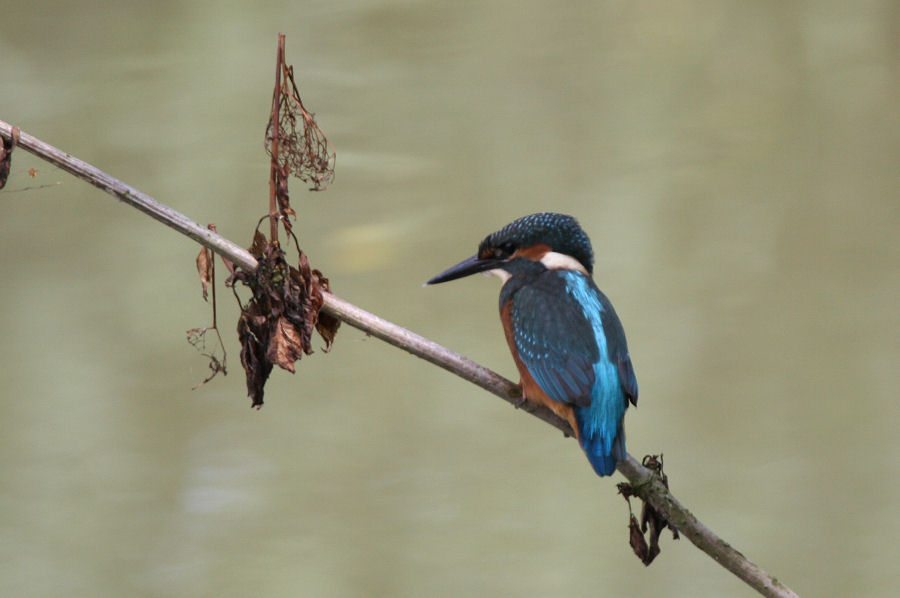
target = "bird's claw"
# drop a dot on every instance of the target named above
(520, 401)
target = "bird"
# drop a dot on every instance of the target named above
(566, 339)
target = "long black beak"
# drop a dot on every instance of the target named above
(465, 268)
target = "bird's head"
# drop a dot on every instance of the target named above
(555, 240)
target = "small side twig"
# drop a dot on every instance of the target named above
(274, 168)
(647, 485)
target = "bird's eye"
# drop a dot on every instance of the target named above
(505, 250)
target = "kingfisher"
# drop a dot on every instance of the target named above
(564, 335)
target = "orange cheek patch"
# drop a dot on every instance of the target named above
(534, 253)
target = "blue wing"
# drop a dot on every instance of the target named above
(555, 340)
(627, 378)
(556, 321)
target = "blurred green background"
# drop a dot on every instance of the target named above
(736, 165)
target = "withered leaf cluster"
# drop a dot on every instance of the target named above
(297, 143)
(644, 536)
(276, 324)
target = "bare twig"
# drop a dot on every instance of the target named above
(647, 485)
(133, 197)
(274, 119)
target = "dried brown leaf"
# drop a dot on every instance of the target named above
(327, 327)
(637, 541)
(326, 324)
(626, 490)
(6, 149)
(252, 334)
(259, 245)
(655, 523)
(285, 344)
(205, 270)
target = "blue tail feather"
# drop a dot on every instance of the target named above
(604, 465)
(603, 457)
(602, 435)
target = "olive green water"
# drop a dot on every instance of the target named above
(734, 163)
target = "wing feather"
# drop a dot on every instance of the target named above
(555, 340)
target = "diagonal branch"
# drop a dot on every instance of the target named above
(648, 486)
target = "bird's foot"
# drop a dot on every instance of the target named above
(518, 397)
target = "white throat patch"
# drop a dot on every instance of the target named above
(560, 261)
(500, 273)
